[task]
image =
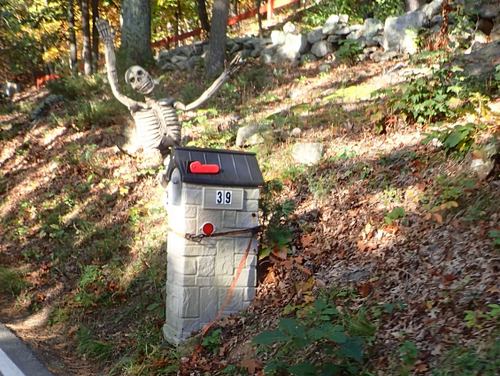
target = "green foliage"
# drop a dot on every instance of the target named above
(276, 214)
(474, 360)
(408, 354)
(447, 192)
(72, 88)
(444, 94)
(320, 184)
(480, 318)
(340, 335)
(357, 10)
(11, 282)
(395, 214)
(497, 74)
(29, 36)
(97, 114)
(212, 341)
(85, 107)
(495, 236)
(349, 51)
(458, 139)
(91, 347)
(211, 135)
(90, 281)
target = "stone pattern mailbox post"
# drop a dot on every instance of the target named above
(212, 214)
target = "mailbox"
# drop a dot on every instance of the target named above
(212, 205)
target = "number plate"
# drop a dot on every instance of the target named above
(223, 198)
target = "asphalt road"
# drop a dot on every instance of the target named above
(16, 359)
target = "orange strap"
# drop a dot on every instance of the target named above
(230, 292)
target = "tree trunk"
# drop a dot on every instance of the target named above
(73, 51)
(178, 14)
(258, 3)
(136, 33)
(86, 48)
(95, 36)
(203, 15)
(217, 45)
(411, 5)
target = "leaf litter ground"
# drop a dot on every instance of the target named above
(63, 192)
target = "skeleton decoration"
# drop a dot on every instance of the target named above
(156, 121)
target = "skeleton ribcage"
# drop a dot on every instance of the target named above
(158, 125)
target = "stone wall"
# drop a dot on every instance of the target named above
(379, 40)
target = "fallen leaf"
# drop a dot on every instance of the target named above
(307, 240)
(365, 289)
(421, 368)
(308, 285)
(251, 365)
(438, 218)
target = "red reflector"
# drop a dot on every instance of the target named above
(197, 168)
(207, 229)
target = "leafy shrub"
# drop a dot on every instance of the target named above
(458, 139)
(349, 51)
(341, 336)
(447, 93)
(213, 340)
(96, 113)
(357, 10)
(11, 282)
(408, 354)
(72, 88)
(276, 213)
(482, 359)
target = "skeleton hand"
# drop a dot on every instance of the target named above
(235, 64)
(105, 31)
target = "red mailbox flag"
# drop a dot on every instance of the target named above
(197, 167)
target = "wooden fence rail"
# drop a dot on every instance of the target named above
(267, 9)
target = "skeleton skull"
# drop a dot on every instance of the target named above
(139, 79)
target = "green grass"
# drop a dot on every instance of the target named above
(354, 93)
(91, 347)
(11, 282)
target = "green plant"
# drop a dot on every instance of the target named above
(357, 10)
(340, 335)
(91, 113)
(474, 360)
(11, 282)
(408, 353)
(495, 236)
(447, 192)
(441, 95)
(496, 76)
(349, 51)
(478, 318)
(91, 347)
(395, 214)
(276, 213)
(458, 139)
(212, 341)
(320, 184)
(91, 281)
(72, 88)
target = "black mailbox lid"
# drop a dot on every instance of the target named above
(237, 168)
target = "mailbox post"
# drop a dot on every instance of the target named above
(212, 210)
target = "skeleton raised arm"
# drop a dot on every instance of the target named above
(234, 65)
(156, 121)
(106, 35)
